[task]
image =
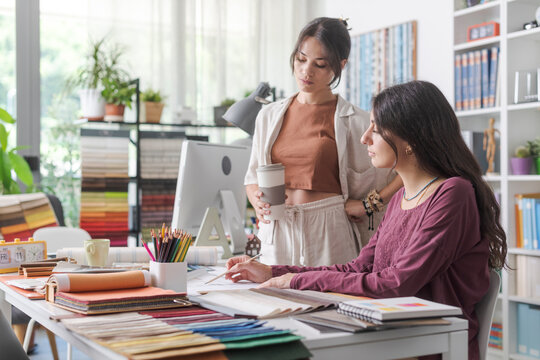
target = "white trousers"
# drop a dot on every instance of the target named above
(313, 234)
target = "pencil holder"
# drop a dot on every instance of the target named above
(169, 275)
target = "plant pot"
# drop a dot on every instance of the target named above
(114, 112)
(153, 111)
(521, 166)
(537, 162)
(219, 111)
(92, 104)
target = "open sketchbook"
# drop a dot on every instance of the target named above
(267, 302)
(396, 309)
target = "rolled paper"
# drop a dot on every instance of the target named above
(103, 281)
(196, 255)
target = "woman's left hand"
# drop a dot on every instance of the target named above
(280, 282)
(355, 210)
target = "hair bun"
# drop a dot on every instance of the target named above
(344, 21)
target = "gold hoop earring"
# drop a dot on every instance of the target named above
(408, 150)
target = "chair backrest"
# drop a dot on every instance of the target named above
(58, 237)
(10, 345)
(484, 312)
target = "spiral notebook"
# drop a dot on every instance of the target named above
(396, 309)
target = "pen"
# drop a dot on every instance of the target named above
(226, 272)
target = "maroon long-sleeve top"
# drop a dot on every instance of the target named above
(434, 251)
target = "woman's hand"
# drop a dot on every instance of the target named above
(280, 282)
(355, 210)
(240, 268)
(261, 208)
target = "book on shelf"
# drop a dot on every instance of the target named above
(399, 308)
(493, 75)
(528, 328)
(457, 83)
(527, 276)
(527, 218)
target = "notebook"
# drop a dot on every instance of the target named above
(396, 308)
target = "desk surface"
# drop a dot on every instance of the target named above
(450, 340)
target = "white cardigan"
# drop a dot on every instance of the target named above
(356, 174)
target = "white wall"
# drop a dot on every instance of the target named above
(434, 21)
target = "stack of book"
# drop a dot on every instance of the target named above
(476, 79)
(40, 268)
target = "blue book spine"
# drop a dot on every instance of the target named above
(485, 77)
(457, 83)
(534, 331)
(472, 85)
(477, 79)
(534, 232)
(465, 81)
(526, 224)
(493, 65)
(537, 208)
(522, 328)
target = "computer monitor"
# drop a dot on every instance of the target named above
(207, 174)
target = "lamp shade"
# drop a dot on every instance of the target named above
(244, 112)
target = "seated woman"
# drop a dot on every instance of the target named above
(441, 233)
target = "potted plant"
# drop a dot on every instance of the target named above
(102, 62)
(117, 94)
(521, 162)
(11, 162)
(222, 109)
(153, 105)
(534, 149)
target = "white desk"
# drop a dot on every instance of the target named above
(450, 340)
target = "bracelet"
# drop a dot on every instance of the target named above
(372, 203)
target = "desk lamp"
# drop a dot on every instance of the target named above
(244, 112)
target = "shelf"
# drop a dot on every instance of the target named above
(515, 356)
(494, 352)
(475, 9)
(532, 34)
(520, 251)
(477, 43)
(123, 123)
(477, 112)
(525, 300)
(524, 106)
(523, 177)
(492, 177)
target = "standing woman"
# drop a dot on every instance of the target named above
(314, 134)
(441, 232)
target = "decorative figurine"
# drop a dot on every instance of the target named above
(490, 146)
(253, 246)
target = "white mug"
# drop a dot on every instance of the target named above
(97, 251)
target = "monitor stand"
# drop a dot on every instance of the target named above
(210, 221)
(231, 219)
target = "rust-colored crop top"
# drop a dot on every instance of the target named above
(306, 146)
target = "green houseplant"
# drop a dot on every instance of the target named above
(11, 162)
(521, 162)
(102, 62)
(117, 94)
(534, 149)
(153, 105)
(220, 110)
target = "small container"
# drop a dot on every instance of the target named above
(169, 275)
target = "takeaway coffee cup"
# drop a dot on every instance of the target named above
(97, 251)
(271, 180)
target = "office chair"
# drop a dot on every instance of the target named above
(484, 312)
(10, 345)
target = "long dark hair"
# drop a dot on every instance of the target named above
(334, 36)
(418, 113)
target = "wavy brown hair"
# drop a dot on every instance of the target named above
(418, 113)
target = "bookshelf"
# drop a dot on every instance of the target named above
(518, 50)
